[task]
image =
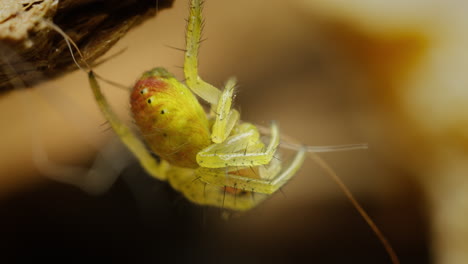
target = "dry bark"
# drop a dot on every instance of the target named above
(31, 52)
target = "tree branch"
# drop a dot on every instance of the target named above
(31, 52)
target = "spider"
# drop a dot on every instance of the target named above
(212, 157)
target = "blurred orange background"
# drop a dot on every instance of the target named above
(389, 74)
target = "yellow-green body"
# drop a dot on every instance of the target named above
(170, 118)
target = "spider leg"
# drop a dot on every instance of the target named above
(133, 143)
(201, 88)
(226, 118)
(266, 184)
(220, 155)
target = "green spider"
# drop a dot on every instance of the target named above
(212, 158)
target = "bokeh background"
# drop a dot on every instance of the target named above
(330, 72)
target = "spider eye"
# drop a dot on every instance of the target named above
(162, 112)
(149, 101)
(143, 91)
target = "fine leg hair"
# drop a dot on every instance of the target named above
(221, 177)
(201, 88)
(225, 117)
(219, 156)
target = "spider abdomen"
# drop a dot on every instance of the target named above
(170, 118)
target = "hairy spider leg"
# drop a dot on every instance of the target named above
(269, 185)
(133, 143)
(201, 88)
(225, 117)
(220, 155)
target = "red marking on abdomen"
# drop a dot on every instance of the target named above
(153, 85)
